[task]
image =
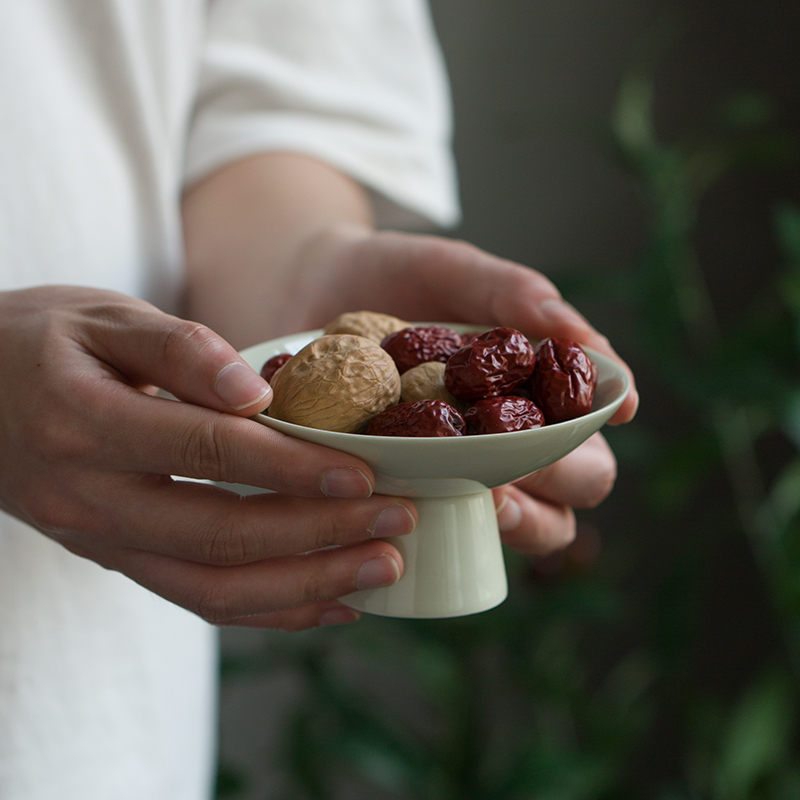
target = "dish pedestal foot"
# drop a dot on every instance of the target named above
(453, 562)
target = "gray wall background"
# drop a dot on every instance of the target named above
(523, 72)
(535, 190)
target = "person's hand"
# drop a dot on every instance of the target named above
(87, 451)
(349, 268)
(296, 235)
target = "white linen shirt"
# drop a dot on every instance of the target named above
(108, 109)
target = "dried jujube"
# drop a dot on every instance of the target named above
(469, 336)
(420, 418)
(493, 364)
(564, 380)
(350, 383)
(413, 346)
(503, 415)
(273, 364)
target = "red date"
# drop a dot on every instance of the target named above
(493, 364)
(564, 380)
(468, 337)
(413, 346)
(273, 365)
(420, 418)
(502, 415)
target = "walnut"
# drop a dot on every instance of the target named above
(425, 382)
(369, 324)
(336, 383)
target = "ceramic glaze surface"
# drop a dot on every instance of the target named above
(453, 561)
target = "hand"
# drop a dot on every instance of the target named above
(536, 516)
(347, 268)
(87, 451)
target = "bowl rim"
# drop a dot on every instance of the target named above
(302, 431)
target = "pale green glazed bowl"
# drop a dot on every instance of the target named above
(453, 560)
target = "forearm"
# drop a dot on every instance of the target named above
(243, 228)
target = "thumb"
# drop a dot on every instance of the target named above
(185, 358)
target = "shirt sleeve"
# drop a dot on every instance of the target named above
(360, 84)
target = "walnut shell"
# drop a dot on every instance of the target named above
(425, 382)
(369, 324)
(335, 383)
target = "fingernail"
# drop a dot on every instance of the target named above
(239, 387)
(557, 312)
(347, 482)
(396, 520)
(509, 514)
(381, 571)
(338, 616)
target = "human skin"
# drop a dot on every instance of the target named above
(275, 243)
(331, 260)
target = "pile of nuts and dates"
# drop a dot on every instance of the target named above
(375, 374)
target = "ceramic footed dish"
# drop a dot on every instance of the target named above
(453, 561)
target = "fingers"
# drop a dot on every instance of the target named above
(582, 479)
(230, 595)
(501, 292)
(185, 358)
(139, 433)
(135, 432)
(436, 278)
(563, 320)
(314, 615)
(205, 524)
(533, 527)
(535, 514)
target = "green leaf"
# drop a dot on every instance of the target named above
(787, 783)
(746, 111)
(632, 121)
(632, 117)
(379, 764)
(791, 424)
(787, 222)
(784, 497)
(758, 737)
(677, 475)
(435, 667)
(671, 794)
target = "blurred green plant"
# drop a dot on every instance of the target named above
(551, 695)
(729, 389)
(493, 706)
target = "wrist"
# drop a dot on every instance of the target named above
(317, 279)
